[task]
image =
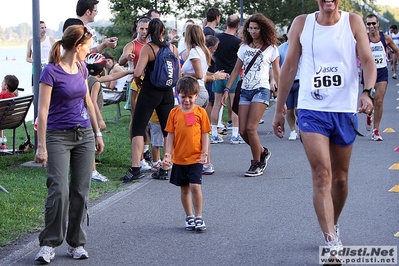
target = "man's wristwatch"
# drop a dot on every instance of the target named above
(370, 92)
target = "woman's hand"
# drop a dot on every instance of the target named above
(99, 145)
(41, 157)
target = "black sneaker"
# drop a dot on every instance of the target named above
(255, 169)
(264, 157)
(190, 225)
(147, 156)
(160, 174)
(132, 174)
(199, 224)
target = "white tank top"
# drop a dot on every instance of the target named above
(329, 80)
(395, 38)
(45, 48)
(378, 51)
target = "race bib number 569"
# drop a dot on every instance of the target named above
(328, 77)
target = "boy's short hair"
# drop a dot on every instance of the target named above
(187, 85)
(12, 82)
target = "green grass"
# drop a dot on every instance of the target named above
(21, 210)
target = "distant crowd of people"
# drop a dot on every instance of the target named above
(244, 64)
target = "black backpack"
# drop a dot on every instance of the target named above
(165, 74)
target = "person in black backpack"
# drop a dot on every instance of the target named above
(150, 98)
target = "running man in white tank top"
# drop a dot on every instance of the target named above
(327, 100)
(378, 44)
(393, 29)
(45, 46)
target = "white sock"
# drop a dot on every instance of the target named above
(234, 131)
(220, 124)
(214, 130)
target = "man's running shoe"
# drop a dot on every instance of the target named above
(376, 135)
(394, 76)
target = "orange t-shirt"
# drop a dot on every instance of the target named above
(187, 145)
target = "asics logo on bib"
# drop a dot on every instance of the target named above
(327, 70)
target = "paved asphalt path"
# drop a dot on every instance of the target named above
(267, 220)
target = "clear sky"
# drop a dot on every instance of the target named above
(52, 12)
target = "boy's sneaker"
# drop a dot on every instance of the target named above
(255, 169)
(78, 253)
(45, 255)
(293, 135)
(199, 224)
(369, 122)
(264, 157)
(376, 135)
(156, 165)
(147, 156)
(190, 225)
(216, 139)
(207, 169)
(96, 176)
(132, 174)
(160, 174)
(144, 165)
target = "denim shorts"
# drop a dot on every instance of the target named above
(259, 95)
(336, 126)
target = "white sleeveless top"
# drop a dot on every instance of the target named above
(395, 38)
(379, 55)
(45, 48)
(328, 78)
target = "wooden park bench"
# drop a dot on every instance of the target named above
(13, 112)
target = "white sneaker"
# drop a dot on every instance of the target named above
(394, 76)
(78, 253)
(96, 176)
(45, 255)
(156, 165)
(144, 165)
(3, 139)
(293, 135)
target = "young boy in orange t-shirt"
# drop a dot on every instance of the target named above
(187, 147)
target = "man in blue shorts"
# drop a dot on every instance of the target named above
(378, 44)
(324, 45)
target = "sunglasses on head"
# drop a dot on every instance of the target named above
(85, 33)
(371, 23)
